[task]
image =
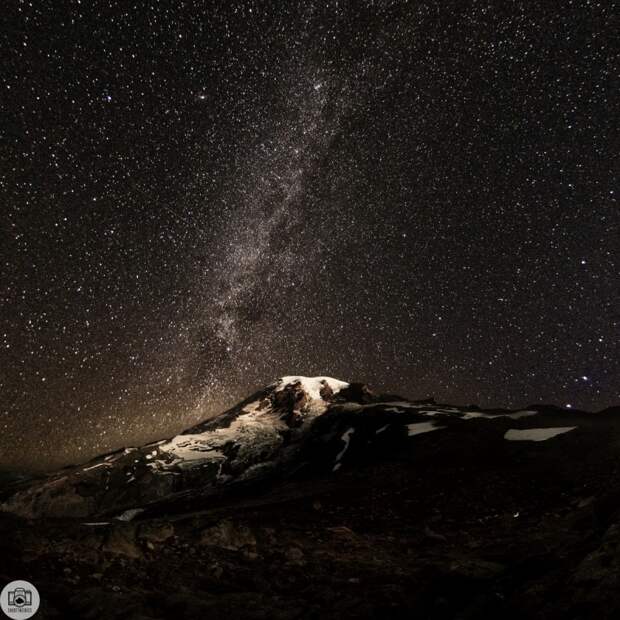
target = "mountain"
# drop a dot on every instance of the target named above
(261, 437)
(316, 423)
(316, 497)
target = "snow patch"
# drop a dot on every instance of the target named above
(417, 428)
(257, 435)
(95, 466)
(516, 415)
(128, 515)
(350, 407)
(536, 434)
(404, 404)
(346, 437)
(192, 448)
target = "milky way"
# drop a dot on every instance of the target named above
(198, 199)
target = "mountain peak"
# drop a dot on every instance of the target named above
(310, 395)
(315, 387)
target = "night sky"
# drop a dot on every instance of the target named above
(199, 197)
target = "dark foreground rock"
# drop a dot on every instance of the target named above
(392, 539)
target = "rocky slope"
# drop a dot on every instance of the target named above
(317, 498)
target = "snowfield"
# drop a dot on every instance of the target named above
(536, 434)
(255, 435)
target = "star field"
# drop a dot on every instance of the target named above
(200, 197)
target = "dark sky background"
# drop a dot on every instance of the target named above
(199, 197)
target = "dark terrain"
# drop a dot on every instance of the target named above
(454, 523)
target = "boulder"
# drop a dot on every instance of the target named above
(228, 535)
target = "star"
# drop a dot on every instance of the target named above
(398, 197)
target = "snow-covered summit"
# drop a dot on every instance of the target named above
(313, 386)
(254, 433)
(310, 395)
